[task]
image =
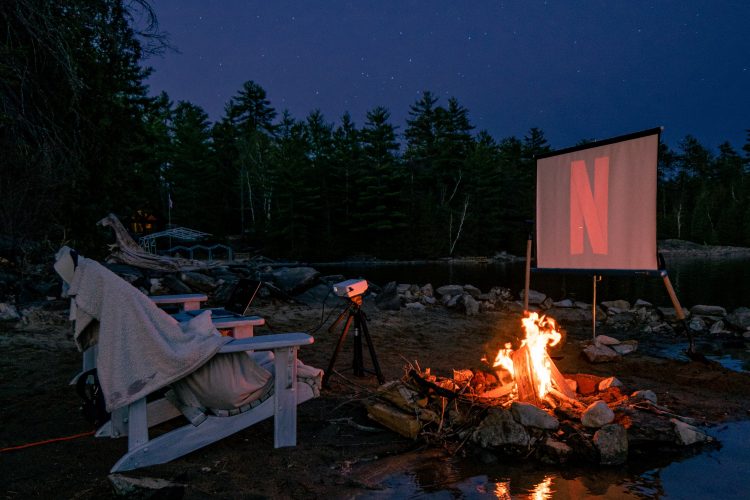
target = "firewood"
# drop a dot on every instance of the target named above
(523, 372)
(394, 419)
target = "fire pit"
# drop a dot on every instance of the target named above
(521, 405)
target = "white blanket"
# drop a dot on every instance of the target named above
(141, 348)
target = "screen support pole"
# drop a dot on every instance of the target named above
(593, 307)
(677, 308)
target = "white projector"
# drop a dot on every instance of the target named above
(350, 288)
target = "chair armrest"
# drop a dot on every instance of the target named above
(187, 301)
(267, 342)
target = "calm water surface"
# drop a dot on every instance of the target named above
(724, 282)
(720, 474)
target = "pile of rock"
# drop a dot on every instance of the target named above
(602, 425)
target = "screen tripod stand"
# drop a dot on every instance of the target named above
(354, 314)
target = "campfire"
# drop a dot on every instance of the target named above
(534, 378)
(520, 404)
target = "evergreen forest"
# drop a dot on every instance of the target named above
(82, 136)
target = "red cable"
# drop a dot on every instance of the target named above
(47, 441)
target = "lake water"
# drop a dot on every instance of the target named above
(716, 474)
(724, 282)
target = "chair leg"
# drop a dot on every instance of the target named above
(285, 397)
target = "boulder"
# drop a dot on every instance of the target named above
(618, 305)
(292, 280)
(586, 383)
(606, 340)
(8, 312)
(669, 314)
(739, 318)
(597, 414)
(428, 300)
(415, 306)
(472, 290)
(625, 347)
(640, 303)
(427, 290)
(565, 303)
(609, 382)
(687, 434)
(703, 310)
(198, 281)
(403, 288)
(621, 319)
(554, 452)
(646, 394)
(696, 324)
(718, 328)
(530, 415)
(535, 297)
(600, 353)
(470, 305)
(499, 428)
(145, 487)
(175, 284)
(568, 315)
(502, 293)
(450, 290)
(612, 442)
(388, 299)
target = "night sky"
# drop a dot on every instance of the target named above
(575, 69)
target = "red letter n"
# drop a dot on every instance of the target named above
(589, 209)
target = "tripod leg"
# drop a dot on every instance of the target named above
(340, 343)
(371, 347)
(358, 366)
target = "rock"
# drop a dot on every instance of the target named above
(622, 319)
(597, 414)
(587, 384)
(554, 452)
(535, 297)
(696, 324)
(293, 280)
(450, 290)
(471, 305)
(626, 347)
(546, 303)
(640, 303)
(669, 314)
(429, 300)
(646, 394)
(600, 353)
(618, 305)
(612, 442)
(739, 318)
(403, 288)
(145, 487)
(717, 328)
(198, 281)
(702, 310)
(452, 301)
(687, 434)
(388, 299)
(609, 382)
(502, 293)
(427, 290)
(8, 312)
(415, 306)
(565, 303)
(500, 429)
(567, 315)
(472, 290)
(317, 294)
(175, 285)
(530, 415)
(606, 340)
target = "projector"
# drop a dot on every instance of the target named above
(350, 288)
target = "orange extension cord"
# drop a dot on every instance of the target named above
(47, 441)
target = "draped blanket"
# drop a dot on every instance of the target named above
(140, 347)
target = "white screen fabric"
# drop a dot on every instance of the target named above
(596, 206)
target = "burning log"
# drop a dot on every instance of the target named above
(523, 373)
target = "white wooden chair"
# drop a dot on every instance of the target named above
(135, 419)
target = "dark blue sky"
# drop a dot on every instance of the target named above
(575, 69)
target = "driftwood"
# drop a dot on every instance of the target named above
(127, 251)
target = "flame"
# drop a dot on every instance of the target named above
(540, 333)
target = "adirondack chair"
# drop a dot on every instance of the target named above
(279, 399)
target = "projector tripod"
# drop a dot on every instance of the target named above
(354, 314)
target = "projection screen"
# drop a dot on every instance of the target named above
(596, 205)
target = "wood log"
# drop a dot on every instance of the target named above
(559, 380)
(523, 372)
(394, 419)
